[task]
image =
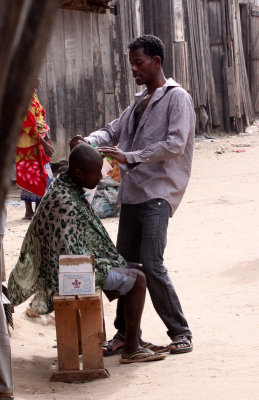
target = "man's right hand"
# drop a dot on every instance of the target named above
(113, 152)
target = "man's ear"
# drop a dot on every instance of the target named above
(157, 61)
(78, 173)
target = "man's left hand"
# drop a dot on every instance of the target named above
(113, 152)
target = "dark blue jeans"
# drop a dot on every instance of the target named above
(142, 238)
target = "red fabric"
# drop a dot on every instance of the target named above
(30, 161)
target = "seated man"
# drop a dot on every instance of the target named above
(65, 223)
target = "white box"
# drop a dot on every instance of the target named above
(76, 275)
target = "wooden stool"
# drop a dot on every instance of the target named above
(79, 327)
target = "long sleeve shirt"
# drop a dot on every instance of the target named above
(162, 146)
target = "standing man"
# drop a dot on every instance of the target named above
(156, 138)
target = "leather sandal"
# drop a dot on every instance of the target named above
(108, 347)
(180, 340)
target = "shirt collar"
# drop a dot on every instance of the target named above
(169, 83)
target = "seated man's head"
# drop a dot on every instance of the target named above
(85, 165)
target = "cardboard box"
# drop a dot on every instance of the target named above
(76, 275)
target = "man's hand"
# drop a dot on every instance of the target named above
(113, 152)
(76, 140)
(48, 149)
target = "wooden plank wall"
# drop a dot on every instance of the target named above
(131, 16)
(208, 59)
(215, 44)
(184, 28)
(247, 111)
(158, 20)
(86, 81)
(254, 40)
(196, 48)
(165, 19)
(216, 52)
(180, 48)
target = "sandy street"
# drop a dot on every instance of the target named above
(213, 259)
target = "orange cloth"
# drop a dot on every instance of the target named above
(115, 172)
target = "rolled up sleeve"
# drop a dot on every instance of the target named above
(110, 134)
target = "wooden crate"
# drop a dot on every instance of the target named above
(79, 328)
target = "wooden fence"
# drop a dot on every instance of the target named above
(86, 80)
(211, 49)
(208, 59)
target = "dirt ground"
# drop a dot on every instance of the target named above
(213, 259)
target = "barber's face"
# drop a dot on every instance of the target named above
(144, 68)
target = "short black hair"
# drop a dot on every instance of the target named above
(152, 46)
(84, 156)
